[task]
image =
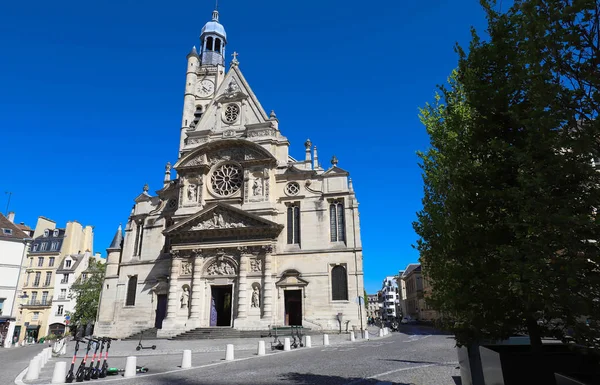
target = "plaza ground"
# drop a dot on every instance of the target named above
(417, 355)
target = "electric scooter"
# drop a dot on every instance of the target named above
(90, 369)
(81, 369)
(115, 371)
(140, 346)
(70, 376)
(96, 371)
(104, 369)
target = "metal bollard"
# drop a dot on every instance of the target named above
(261, 348)
(308, 342)
(286, 345)
(33, 371)
(325, 339)
(229, 353)
(186, 360)
(130, 367)
(60, 372)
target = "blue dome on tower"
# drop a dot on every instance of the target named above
(214, 27)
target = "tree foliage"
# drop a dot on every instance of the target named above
(510, 190)
(87, 292)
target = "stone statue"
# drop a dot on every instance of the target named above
(221, 267)
(185, 297)
(255, 265)
(255, 297)
(257, 187)
(192, 193)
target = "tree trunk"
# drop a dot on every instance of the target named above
(535, 337)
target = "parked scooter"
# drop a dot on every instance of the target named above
(104, 369)
(96, 371)
(79, 376)
(115, 371)
(70, 376)
(140, 346)
(90, 369)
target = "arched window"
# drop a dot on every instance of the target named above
(209, 44)
(293, 224)
(337, 226)
(218, 45)
(339, 284)
(131, 291)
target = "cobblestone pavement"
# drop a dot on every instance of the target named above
(14, 360)
(414, 356)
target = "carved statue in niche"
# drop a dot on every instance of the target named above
(221, 267)
(186, 268)
(255, 265)
(192, 192)
(185, 297)
(255, 297)
(257, 188)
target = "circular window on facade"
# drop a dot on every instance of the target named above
(232, 112)
(292, 188)
(226, 180)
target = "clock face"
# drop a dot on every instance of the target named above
(205, 88)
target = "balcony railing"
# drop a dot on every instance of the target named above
(62, 297)
(64, 281)
(47, 302)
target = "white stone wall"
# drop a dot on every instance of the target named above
(12, 255)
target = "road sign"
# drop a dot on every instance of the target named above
(67, 317)
(66, 322)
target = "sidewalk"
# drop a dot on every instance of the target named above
(168, 354)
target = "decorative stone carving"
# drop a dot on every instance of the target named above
(192, 193)
(257, 188)
(232, 87)
(255, 265)
(255, 296)
(174, 254)
(221, 267)
(185, 297)
(196, 140)
(269, 249)
(219, 221)
(228, 133)
(263, 132)
(186, 267)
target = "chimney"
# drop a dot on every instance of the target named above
(11, 216)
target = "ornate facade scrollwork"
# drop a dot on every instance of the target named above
(222, 266)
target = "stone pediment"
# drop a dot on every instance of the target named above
(222, 220)
(335, 171)
(291, 279)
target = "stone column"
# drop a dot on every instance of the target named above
(268, 289)
(242, 309)
(196, 287)
(173, 302)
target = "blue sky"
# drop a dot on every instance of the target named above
(92, 95)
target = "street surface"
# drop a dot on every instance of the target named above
(416, 356)
(14, 360)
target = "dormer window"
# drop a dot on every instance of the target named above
(67, 263)
(46, 233)
(7, 231)
(55, 233)
(36, 246)
(54, 246)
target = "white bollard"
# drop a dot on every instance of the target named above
(60, 372)
(229, 353)
(33, 371)
(130, 367)
(380, 332)
(261, 348)
(352, 337)
(48, 354)
(42, 358)
(186, 360)
(366, 334)
(286, 345)
(63, 350)
(325, 339)
(308, 342)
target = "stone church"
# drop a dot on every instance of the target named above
(245, 236)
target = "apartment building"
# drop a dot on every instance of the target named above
(389, 298)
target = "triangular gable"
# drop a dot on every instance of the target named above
(234, 88)
(291, 278)
(335, 171)
(220, 216)
(143, 197)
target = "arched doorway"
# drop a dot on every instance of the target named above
(57, 329)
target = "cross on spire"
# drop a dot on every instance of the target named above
(235, 60)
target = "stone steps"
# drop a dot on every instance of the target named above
(224, 333)
(146, 334)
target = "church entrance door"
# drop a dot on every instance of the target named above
(220, 312)
(293, 307)
(161, 310)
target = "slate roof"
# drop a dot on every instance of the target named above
(15, 232)
(118, 238)
(77, 258)
(36, 246)
(409, 269)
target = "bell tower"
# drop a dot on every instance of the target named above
(214, 39)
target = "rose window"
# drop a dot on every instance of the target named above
(292, 188)
(232, 111)
(226, 180)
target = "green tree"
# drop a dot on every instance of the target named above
(366, 297)
(507, 227)
(87, 292)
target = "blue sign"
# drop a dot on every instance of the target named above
(67, 317)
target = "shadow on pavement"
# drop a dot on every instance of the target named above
(419, 329)
(457, 380)
(418, 362)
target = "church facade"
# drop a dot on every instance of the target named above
(245, 236)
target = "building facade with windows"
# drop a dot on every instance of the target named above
(36, 289)
(13, 250)
(373, 306)
(389, 298)
(414, 300)
(247, 236)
